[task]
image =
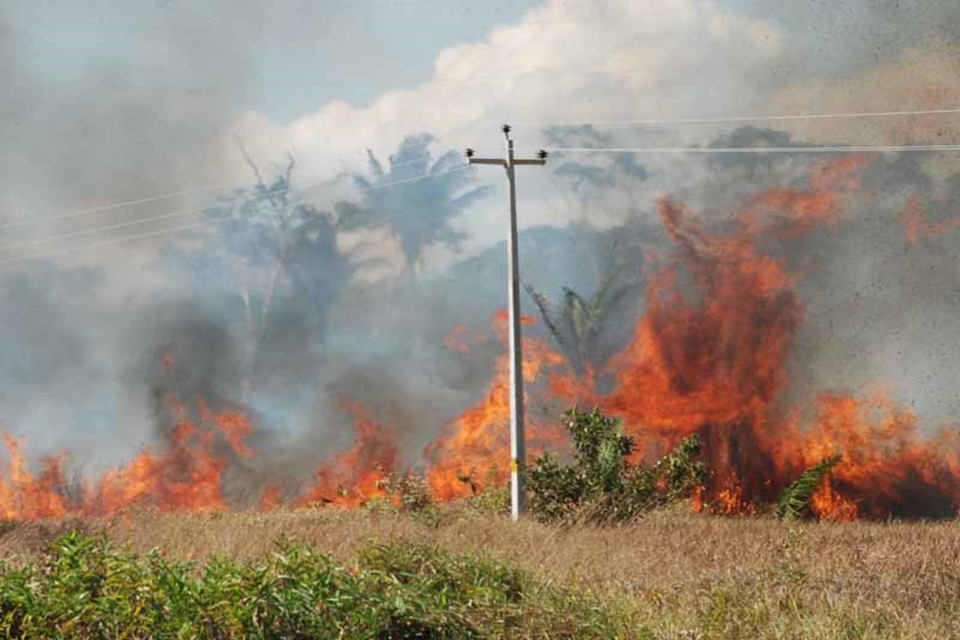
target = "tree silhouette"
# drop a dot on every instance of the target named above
(275, 245)
(419, 214)
(578, 324)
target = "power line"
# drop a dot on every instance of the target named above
(720, 120)
(459, 167)
(175, 214)
(115, 205)
(159, 197)
(149, 234)
(202, 223)
(758, 150)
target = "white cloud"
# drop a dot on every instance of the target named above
(562, 61)
(559, 62)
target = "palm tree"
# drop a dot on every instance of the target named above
(578, 324)
(419, 214)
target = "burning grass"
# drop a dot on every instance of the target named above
(707, 357)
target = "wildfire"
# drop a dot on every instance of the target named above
(707, 356)
(187, 476)
(474, 448)
(715, 367)
(356, 475)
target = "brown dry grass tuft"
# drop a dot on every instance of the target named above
(674, 573)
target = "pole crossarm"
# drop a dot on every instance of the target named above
(518, 495)
(498, 161)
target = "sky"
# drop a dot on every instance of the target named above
(107, 102)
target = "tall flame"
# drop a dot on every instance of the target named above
(707, 356)
(474, 448)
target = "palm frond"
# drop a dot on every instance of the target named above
(579, 313)
(794, 502)
(545, 312)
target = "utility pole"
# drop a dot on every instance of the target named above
(518, 494)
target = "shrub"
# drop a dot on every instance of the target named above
(602, 485)
(82, 588)
(492, 497)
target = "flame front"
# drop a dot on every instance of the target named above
(474, 448)
(356, 475)
(707, 356)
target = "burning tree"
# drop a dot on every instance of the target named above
(578, 325)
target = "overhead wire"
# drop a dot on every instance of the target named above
(201, 223)
(155, 198)
(747, 118)
(176, 214)
(758, 150)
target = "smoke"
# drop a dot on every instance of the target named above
(87, 349)
(147, 111)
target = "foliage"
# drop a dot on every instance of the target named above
(602, 485)
(577, 323)
(407, 491)
(794, 502)
(409, 494)
(274, 258)
(490, 497)
(422, 214)
(82, 588)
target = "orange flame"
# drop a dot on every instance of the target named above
(356, 475)
(715, 366)
(475, 447)
(185, 477)
(708, 356)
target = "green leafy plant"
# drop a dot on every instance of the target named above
(602, 485)
(490, 497)
(82, 588)
(794, 502)
(577, 324)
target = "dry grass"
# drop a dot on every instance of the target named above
(676, 574)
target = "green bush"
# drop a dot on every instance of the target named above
(602, 485)
(491, 497)
(82, 588)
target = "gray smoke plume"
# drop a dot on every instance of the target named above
(84, 350)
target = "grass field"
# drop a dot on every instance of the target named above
(672, 575)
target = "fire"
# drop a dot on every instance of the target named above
(271, 498)
(356, 475)
(187, 476)
(887, 467)
(787, 212)
(234, 426)
(23, 496)
(714, 363)
(707, 356)
(474, 448)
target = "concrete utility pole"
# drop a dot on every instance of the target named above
(518, 494)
